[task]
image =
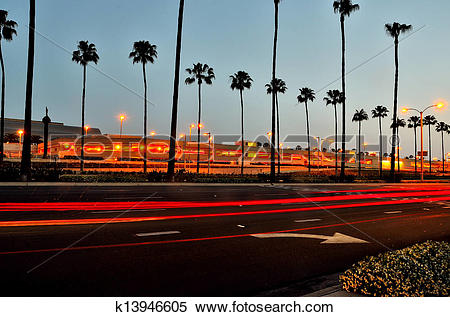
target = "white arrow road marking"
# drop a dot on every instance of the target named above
(151, 234)
(337, 238)
(393, 212)
(307, 220)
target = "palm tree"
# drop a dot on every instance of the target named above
(401, 123)
(240, 81)
(143, 52)
(380, 112)
(395, 30)
(429, 121)
(442, 127)
(199, 73)
(25, 166)
(7, 31)
(307, 94)
(334, 97)
(343, 8)
(176, 86)
(414, 123)
(85, 54)
(278, 87)
(360, 116)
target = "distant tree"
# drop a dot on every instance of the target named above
(401, 123)
(335, 97)
(380, 112)
(414, 123)
(36, 139)
(240, 81)
(429, 120)
(85, 54)
(143, 52)
(344, 8)
(307, 94)
(360, 116)
(7, 31)
(200, 73)
(442, 127)
(394, 30)
(11, 138)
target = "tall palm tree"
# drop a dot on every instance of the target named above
(360, 116)
(200, 73)
(394, 30)
(143, 52)
(442, 127)
(85, 54)
(176, 86)
(429, 121)
(334, 97)
(25, 166)
(344, 8)
(279, 86)
(401, 123)
(414, 123)
(240, 81)
(307, 94)
(380, 112)
(7, 31)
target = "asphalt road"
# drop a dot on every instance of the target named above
(203, 240)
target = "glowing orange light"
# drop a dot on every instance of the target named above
(20, 132)
(153, 133)
(87, 128)
(118, 147)
(440, 105)
(182, 135)
(122, 117)
(192, 126)
(405, 110)
(269, 133)
(200, 125)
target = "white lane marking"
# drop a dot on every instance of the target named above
(337, 238)
(393, 212)
(308, 220)
(151, 234)
(427, 209)
(241, 226)
(127, 211)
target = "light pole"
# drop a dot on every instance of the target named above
(122, 118)
(209, 149)
(152, 134)
(405, 110)
(20, 132)
(190, 131)
(184, 148)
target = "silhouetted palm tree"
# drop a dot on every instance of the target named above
(176, 86)
(401, 123)
(240, 81)
(359, 116)
(344, 8)
(85, 54)
(442, 127)
(307, 94)
(278, 87)
(7, 31)
(395, 30)
(414, 123)
(380, 112)
(429, 121)
(334, 97)
(144, 52)
(199, 73)
(25, 166)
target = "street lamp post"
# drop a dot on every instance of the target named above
(405, 110)
(122, 118)
(20, 132)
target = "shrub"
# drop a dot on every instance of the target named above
(420, 270)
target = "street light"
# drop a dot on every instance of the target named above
(208, 134)
(122, 118)
(153, 133)
(405, 110)
(190, 131)
(20, 132)
(86, 128)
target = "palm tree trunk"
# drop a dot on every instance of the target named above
(335, 140)
(274, 66)
(2, 129)
(344, 98)
(278, 133)
(415, 149)
(429, 145)
(83, 100)
(380, 157)
(145, 117)
(242, 134)
(394, 127)
(176, 85)
(442, 143)
(307, 135)
(359, 149)
(25, 167)
(198, 125)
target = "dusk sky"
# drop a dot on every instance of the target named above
(229, 35)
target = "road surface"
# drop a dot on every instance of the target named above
(203, 240)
